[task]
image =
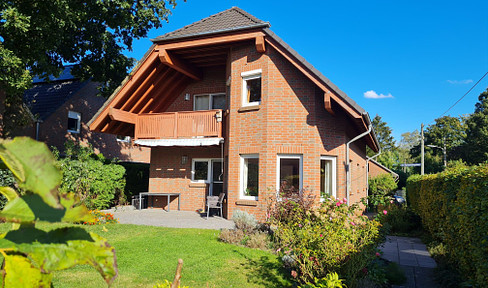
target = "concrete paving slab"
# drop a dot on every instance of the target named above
(174, 219)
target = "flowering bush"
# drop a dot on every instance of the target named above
(102, 218)
(315, 240)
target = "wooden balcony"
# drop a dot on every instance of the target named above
(185, 124)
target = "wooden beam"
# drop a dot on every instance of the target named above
(136, 108)
(260, 45)
(328, 103)
(143, 87)
(216, 40)
(167, 58)
(174, 91)
(160, 89)
(127, 86)
(122, 116)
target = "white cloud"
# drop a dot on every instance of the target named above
(467, 81)
(371, 94)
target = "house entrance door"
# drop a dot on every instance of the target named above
(216, 178)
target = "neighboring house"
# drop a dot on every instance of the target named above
(376, 169)
(227, 106)
(60, 109)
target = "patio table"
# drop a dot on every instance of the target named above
(158, 194)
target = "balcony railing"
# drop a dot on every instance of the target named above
(185, 124)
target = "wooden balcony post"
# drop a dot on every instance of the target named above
(175, 132)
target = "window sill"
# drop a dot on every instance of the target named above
(249, 108)
(247, 202)
(198, 185)
(74, 132)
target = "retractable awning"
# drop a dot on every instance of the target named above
(179, 142)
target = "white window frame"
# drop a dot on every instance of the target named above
(241, 179)
(278, 162)
(334, 174)
(209, 164)
(77, 116)
(210, 99)
(250, 75)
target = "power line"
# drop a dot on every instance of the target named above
(463, 96)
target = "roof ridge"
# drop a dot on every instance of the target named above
(247, 15)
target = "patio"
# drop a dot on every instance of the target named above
(173, 219)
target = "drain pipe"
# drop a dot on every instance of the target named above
(367, 172)
(348, 165)
(38, 122)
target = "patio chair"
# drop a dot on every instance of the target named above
(215, 202)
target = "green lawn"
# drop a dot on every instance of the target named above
(147, 255)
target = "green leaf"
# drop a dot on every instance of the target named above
(31, 208)
(9, 193)
(34, 166)
(63, 248)
(19, 272)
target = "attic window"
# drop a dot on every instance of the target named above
(251, 87)
(74, 122)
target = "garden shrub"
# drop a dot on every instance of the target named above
(96, 180)
(400, 220)
(317, 240)
(380, 190)
(246, 233)
(100, 218)
(453, 206)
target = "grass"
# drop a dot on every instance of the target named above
(147, 255)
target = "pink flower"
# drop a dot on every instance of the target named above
(353, 224)
(378, 254)
(300, 225)
(385, 212)
(344, 200)
(278, 250)
(321, 235)
(294, 274)
(338, 204)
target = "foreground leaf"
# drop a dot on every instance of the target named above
(33, 165)
(63, 248)
(21, 273)
(30, 208)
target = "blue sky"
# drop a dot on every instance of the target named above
(422, 55)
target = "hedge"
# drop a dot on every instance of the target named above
(453, 206)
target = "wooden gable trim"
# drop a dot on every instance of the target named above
(215, 40)
(97, 124)
(167, 58)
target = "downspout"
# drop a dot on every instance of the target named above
(348, 165)
(367, 172)
(38, 122)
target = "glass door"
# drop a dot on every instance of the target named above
(217, 178)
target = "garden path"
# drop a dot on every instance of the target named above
(414, 259)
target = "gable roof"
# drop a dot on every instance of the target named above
(46, 97)
(233, 19)
(235, 25)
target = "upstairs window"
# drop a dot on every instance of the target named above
(251, 87)
(74, 122)
(209, 102)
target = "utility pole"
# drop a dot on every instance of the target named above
(422, 149)
(444, 151)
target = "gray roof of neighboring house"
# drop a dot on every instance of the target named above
(232, 19)
(46, 97)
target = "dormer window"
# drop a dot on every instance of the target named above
(74, 122)
(251, 87)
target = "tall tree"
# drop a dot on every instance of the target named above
(449, 133)
(38, 36)
(476, 147)
(389, 155)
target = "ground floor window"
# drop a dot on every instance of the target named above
(208, 171)
(289, 172)
(250, 176)
(327, 176)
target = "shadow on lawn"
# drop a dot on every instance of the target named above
(266, 272)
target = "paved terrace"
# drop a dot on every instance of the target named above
(173, 219)
(412, 256)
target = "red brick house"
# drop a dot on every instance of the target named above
(226, 105)
(60, 109)
(376, 169)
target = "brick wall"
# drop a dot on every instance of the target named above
(376, 170)
(291, 119)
